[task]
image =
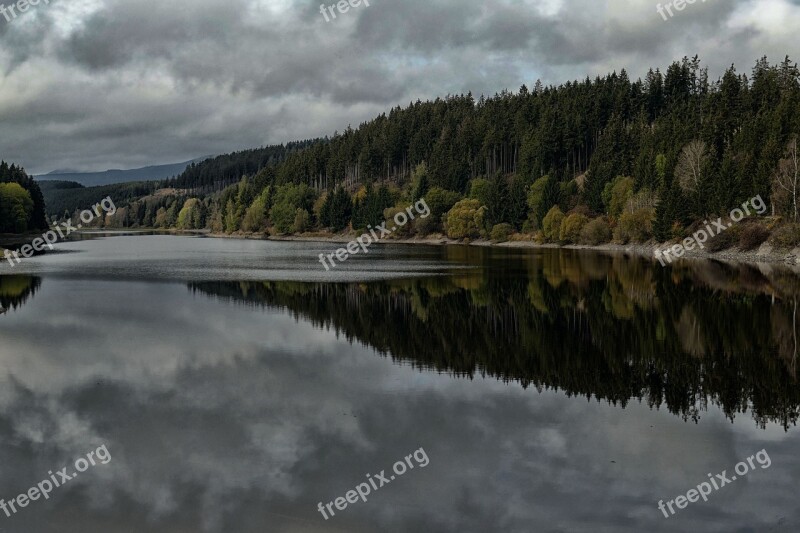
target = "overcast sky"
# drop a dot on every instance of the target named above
(97, 84)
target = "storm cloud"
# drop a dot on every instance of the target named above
(96, 84)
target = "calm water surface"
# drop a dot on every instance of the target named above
(237, 384)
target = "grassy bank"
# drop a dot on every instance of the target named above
(772, 248)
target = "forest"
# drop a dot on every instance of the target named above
(66, 197)
(586, 162)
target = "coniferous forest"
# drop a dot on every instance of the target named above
(585, 162)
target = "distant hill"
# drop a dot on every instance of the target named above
(111, 177)
(69, 196)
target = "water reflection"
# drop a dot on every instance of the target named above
(606, 327)
(15, 291)
(239, 412)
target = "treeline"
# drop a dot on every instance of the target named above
(65, 198)
(219, 172)
(22, 206)
(635, 159)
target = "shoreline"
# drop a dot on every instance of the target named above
(764, 254)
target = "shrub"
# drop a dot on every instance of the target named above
(753, 236)
(400, 231)
(595, 232)
(551, 225)
(283, 216)
(636, 226)
(301, 221)
(502, 232)
(787, 236)
(425, 226)
(441, 201)
(571, 227)
(581, 210)
(465, 219)
(725, 240)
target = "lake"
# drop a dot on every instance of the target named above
(236, 385)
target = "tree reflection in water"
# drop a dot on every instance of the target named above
(608, 327)
(15, 291)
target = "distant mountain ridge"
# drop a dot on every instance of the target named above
(64, 171)
(114, 176)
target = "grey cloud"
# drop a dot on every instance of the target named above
(123, 83)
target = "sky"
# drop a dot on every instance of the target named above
(96, 84)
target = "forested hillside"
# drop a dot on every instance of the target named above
(219, 172)
(66, 197)
(22, 207)
(640, 158)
